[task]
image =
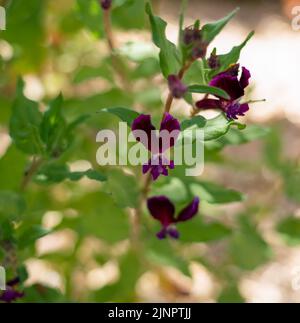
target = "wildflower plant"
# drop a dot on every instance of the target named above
(119, 203)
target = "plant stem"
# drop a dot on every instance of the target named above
(116, 62)
(34, 167)
(148, 181)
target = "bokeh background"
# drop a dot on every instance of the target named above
(56, 49)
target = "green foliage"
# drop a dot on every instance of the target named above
(215, 194)
(232, 57)
(25, 122)
(289, 228)
(208, 90)
(211, 30)
(124, 114)
(219, 126)
(169, 55)
(123, 188)
(247, 248)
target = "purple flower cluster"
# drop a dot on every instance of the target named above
(235, 87)
(163, 210)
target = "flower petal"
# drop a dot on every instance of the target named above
(209, 104)
(168, 133)
(230, 84)
(235, 109)
(190, 211)
(162, 209)
(173, 233)
(162, 234)
(244, 81)
(143, 123)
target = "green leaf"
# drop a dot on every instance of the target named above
(98, 217)
(171, 187)
(211, 30)
(291, 176)
(12, 205)
(163, 254)
(53, 126)
(250, 133)
(208, 90)
(90, 13)
(55, 173)
(123, 188)
(198, 231)
(290, 230)
(232, 57)
(219, 126)
(231, 294)
(25, 123)
(38, 293)
(124, 114)
(169, 55)
(195, 122)
(29, 235)
(247, 248)
(215, 194)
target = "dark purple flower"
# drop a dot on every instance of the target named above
(105, 4)
(213, 61)
(234, 87)
(177, 88)
(11, 294)
(163, 210)
(145, 133)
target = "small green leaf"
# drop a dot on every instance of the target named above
(211, 30)
(232, 57)
(169, 55)
(123, 188)
(197, 231)
(53, 126)
(161, 253)
(219, 126)
(30, 235)
(247, 248)
(25, 123)
(12, 205)
(124, 114)
(209, 90)
(290, 230)
(215, 194)
(90, 13)
(55, 173)
(231, 294)
(195, 122)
